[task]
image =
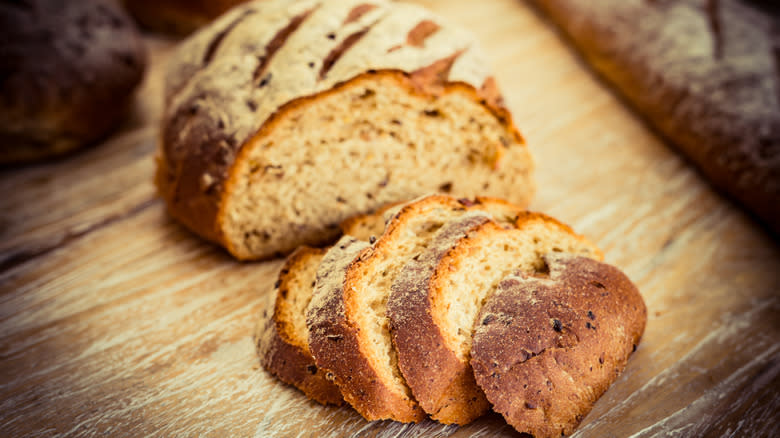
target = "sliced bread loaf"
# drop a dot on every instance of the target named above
(282, 337)
(370, 379)
(282, 118)
(546, 347)
(436, 298)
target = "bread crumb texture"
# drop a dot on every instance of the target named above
(285, 118)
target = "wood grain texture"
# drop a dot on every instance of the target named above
(116, 321)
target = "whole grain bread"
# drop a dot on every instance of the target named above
(440, 259)
(67, 73)
(436, 298)
(704, 73)
(547, 346)
(282, 118)
(370, 380)
(282, 338)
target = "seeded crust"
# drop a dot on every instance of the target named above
(546, 348)
(68, 70)
(282, 351)
(239, 91)
(369, 380)
(432, 347)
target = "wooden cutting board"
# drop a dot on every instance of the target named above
(116, 321)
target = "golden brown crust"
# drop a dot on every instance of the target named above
(177, 16)
(705, 74)
(279, 349)
(545, 349)
(68, 72)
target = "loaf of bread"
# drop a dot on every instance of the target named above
(704, 73)
(549, 342)
(67, 73)
(283, 118)
(177, 16)
(438, 260)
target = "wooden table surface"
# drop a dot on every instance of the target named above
(116, 321)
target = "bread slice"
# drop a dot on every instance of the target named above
(546, 347)
(282, 337)
(281, 334)
(283, 118)
(436, 298)
(367, 373)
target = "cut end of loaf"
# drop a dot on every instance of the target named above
(370, 141)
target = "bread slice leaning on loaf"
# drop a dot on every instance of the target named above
(282, 337)
(437, 295)
(547, 346)
(351, 339)
(282, 118)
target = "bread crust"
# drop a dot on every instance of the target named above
(546, 348)
(201, 148)
(68, 73)
(704, 74)
(429, 367)
(334, 340)
(281, 353)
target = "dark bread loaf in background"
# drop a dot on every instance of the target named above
(67, 73)
(177, 16)
(705, 73)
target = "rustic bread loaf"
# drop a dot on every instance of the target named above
(548, 344)
(367, 372)
(177, 16)
(282, 337)
(67, 73)
(704, 73)
(284, 118)
(437, 295)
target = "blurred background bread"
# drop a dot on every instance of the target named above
(177, 16)
(67, 73)
(705, 74)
